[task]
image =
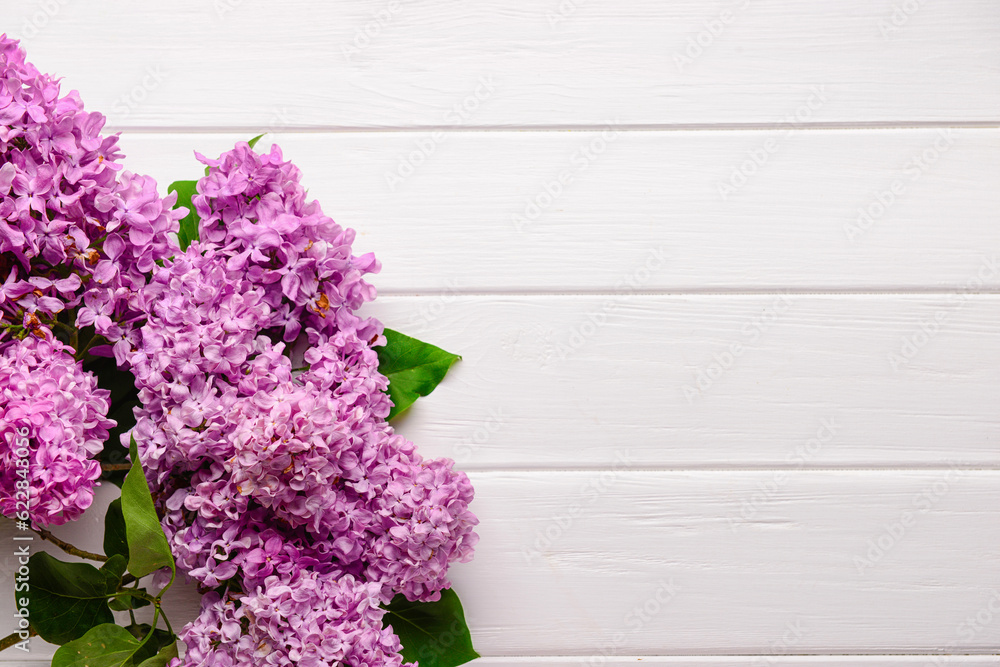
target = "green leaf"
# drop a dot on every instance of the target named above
(126, 602)
(189, 223)
(253, 142)
(115, 566)
(165, 655)
(106, 645)
(68, 599)
(115, 540)
(413, 367)
(160, 640)
(147, 545)
(432, 633)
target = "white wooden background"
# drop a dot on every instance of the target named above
(714, 416)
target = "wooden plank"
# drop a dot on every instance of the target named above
(762, 660)
(706, 661)
(709, 381)
(247, 63)
(478, 214)
(625, 563)
(651, 563)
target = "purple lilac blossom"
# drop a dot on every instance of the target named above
(76, 232)
(52, 418)
(279, 485)
(298, 617)
(284, 492)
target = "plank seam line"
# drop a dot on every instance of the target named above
(736, 469)
(923, 292)
(583, 127)
(992, 651)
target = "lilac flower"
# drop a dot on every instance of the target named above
(287, 488)
(283, 491)
(253, 210)
(74, 233)
(423, 524)
(297, 617)
(52, 422)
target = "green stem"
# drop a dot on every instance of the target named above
(67, 547)
(135, 593)
(167, 621)
(152, 628)
(14, 638)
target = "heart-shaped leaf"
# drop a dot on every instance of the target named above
(414, 368)
(68, 599)
(106, 645)
(432, 633)
(165, 655)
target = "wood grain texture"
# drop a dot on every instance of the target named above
(729, 311)
(708, 381)
(689, 563)
(248, 63)
(479, 213)
(927, 660)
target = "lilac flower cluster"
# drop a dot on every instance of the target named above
(262, 418)
(74, 233)
(78, 237)
(48, 401)
(284, 492)
(299, 616)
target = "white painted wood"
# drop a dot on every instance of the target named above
(794, 224)
(691, 563)
(737, 496)
(567, 381)
(928, 660)
(710, 661)
(740, 582)
(250, 63)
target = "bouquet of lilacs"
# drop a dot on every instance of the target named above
(213, 336)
